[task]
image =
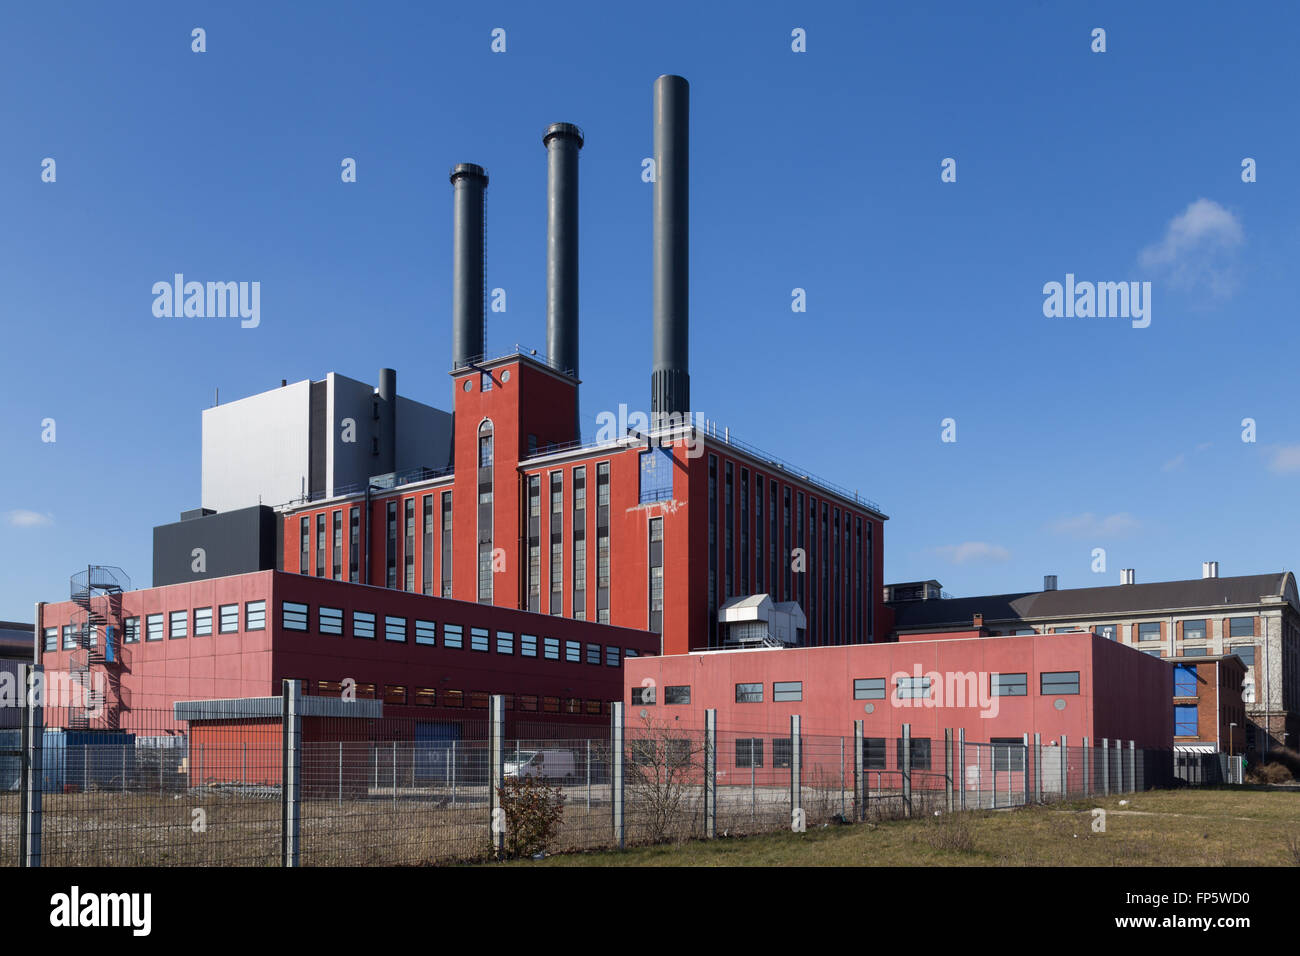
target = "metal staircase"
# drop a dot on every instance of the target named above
(97, 630)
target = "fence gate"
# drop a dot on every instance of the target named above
(991, 776)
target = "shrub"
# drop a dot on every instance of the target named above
(951, 831)
(533, 811)
(1284, 757)
(1269, 773)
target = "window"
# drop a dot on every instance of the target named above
(485, 499)
(527, 645)
(394, 694)
(203, 622)
(446, 544)
(179, 624)
(1009, 685)
(408, 549)
(478, 639)
(304, 545)
(426, 633)
(592, 707)
(920, 751)
(329, 620)
(749, 751)
(1055, 683)
(329, 688)
(320, 545)
(593, 654)
(1194, 630)
(255, 616)
(785, 690)
(534, 542)
(1185, 680)
(913, 688)
(395, 629)
(580, 543)
(749, 694)
(602, 542)
(1245, 651)
(453, 698)
(131, 635)
(1149, 631)
(677, 694)
(1153, 653)
(153, 629)
(1105, 630)
(572, 651)
(1194, 652)
(1064, 630)
(354, 542)
(336, 559)
(557, 543)
(390, 553)
(869, 688)
(644, 696)
(873, 753)
(551, 648)
(1021, 631)
(1008, 753)
(528, 702)
(505, 642)
(656, 579)
(656, 475)
(363, 625)
(1185, 720)
(452, 636)
(478, 699)
(294, 616)
(611, 656)
(70, 639)
(550, 705)
(1241, 627)
(782, 752)
(426, 553)
(229, 622)
(50, 636)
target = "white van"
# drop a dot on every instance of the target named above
(555, 766)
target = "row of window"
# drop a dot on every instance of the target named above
(175, 625)
(750, 752)
(1193, 630)
(402, 695)
(1051, 684)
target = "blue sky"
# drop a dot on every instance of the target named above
(817, 170)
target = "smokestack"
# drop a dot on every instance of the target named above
(562, 142)
(386, 426)
(1209, 569)
(670, 384)
(469, 183)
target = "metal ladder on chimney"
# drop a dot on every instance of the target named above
(97, 629)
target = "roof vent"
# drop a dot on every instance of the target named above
(1049, 582)
(1126, 576)
(1209, 569)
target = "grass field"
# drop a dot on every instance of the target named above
(1203, 827)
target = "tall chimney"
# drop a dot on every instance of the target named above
(670, 383)
(562, 142)
(469, 183)
(386, 426)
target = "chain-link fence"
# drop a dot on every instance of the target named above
(321, 782)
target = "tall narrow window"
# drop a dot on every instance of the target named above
(825, 578)
(557, 542)
(759, 554)
(304, 541)
(786, 544)
(602, 542)
(534, 542)
(320, 545)
(336, 558)
(485, 491)
(656, 584)
(391, 550)
(744, 531)
(728, 523)
(580, 543)
(835, 573)
(773, 581)
(446, 544)
(857, 581)
(713, 551)
(408, 551)
(354, 543)
(426, 554)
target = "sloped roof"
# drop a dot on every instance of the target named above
(1093, 602)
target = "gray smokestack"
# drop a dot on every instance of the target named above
(386, 426)
(670, 383)
(562, 141)
(469, 183)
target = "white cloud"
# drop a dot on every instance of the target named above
(1197, 250)
(1173, 464)
(973, 551)
(22, 518)
(1286, 459)
(1089, 525)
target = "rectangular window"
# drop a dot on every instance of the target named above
(390, 543)
(1149, 631)
(130, 636)
(1185, 721)
(1009, 685)
(1194, 630)
(452, 636)
(505, 642)
(395, 629)
(478, 699)
(229, 621)
(293, 616)
(528, 702)
(677, 694)
(749, 752)
(70, 635)
(644, 696)
(1009, 753)
(426, 553)
(329, 620)
(336, 558)
(320, 545)
(874, 753)
(572, 652)
(453, 698)
(869, 688)
(478, 639)
(426, 632)
(1185, 683)
(1241, 627)
(551, 648)
(913, 688)
(394, 694)
(602, 542)
(787, 690)
(1245, 651)
(329, 688)
(782, 752)
(354, 543)
(203, 622)
(1105, 630)
(153, 629)
(527, 645)
(1194, 652)
(749, 693)
(656, 581)
(408, 549)
(557, 543)
(1064, 630)
(550, 705)
(179, 624)
(255, 616)
(446, 544)
(363, 625)
(1056, 683)
(920, 751)
(580, 543)
(611, 656)
(593, 654)
(304, 545)
(534, 542)
(50, 635)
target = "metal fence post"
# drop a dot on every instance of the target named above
(1024, 765)
(907, 769)
(796, 773)
(1132, 766)
(961, 762)
(843, 816)
(451, 760)
(710, 773)
(1105, 766)
(1086, 767)
(1038, 768)
(993, 769)
(616, 772)
(340, 773)
(859, 781)
(394, 771)
(588, 774)
(32, 738)
(497, 771)
(947, 767)
(290, 771)
(1065, 767)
